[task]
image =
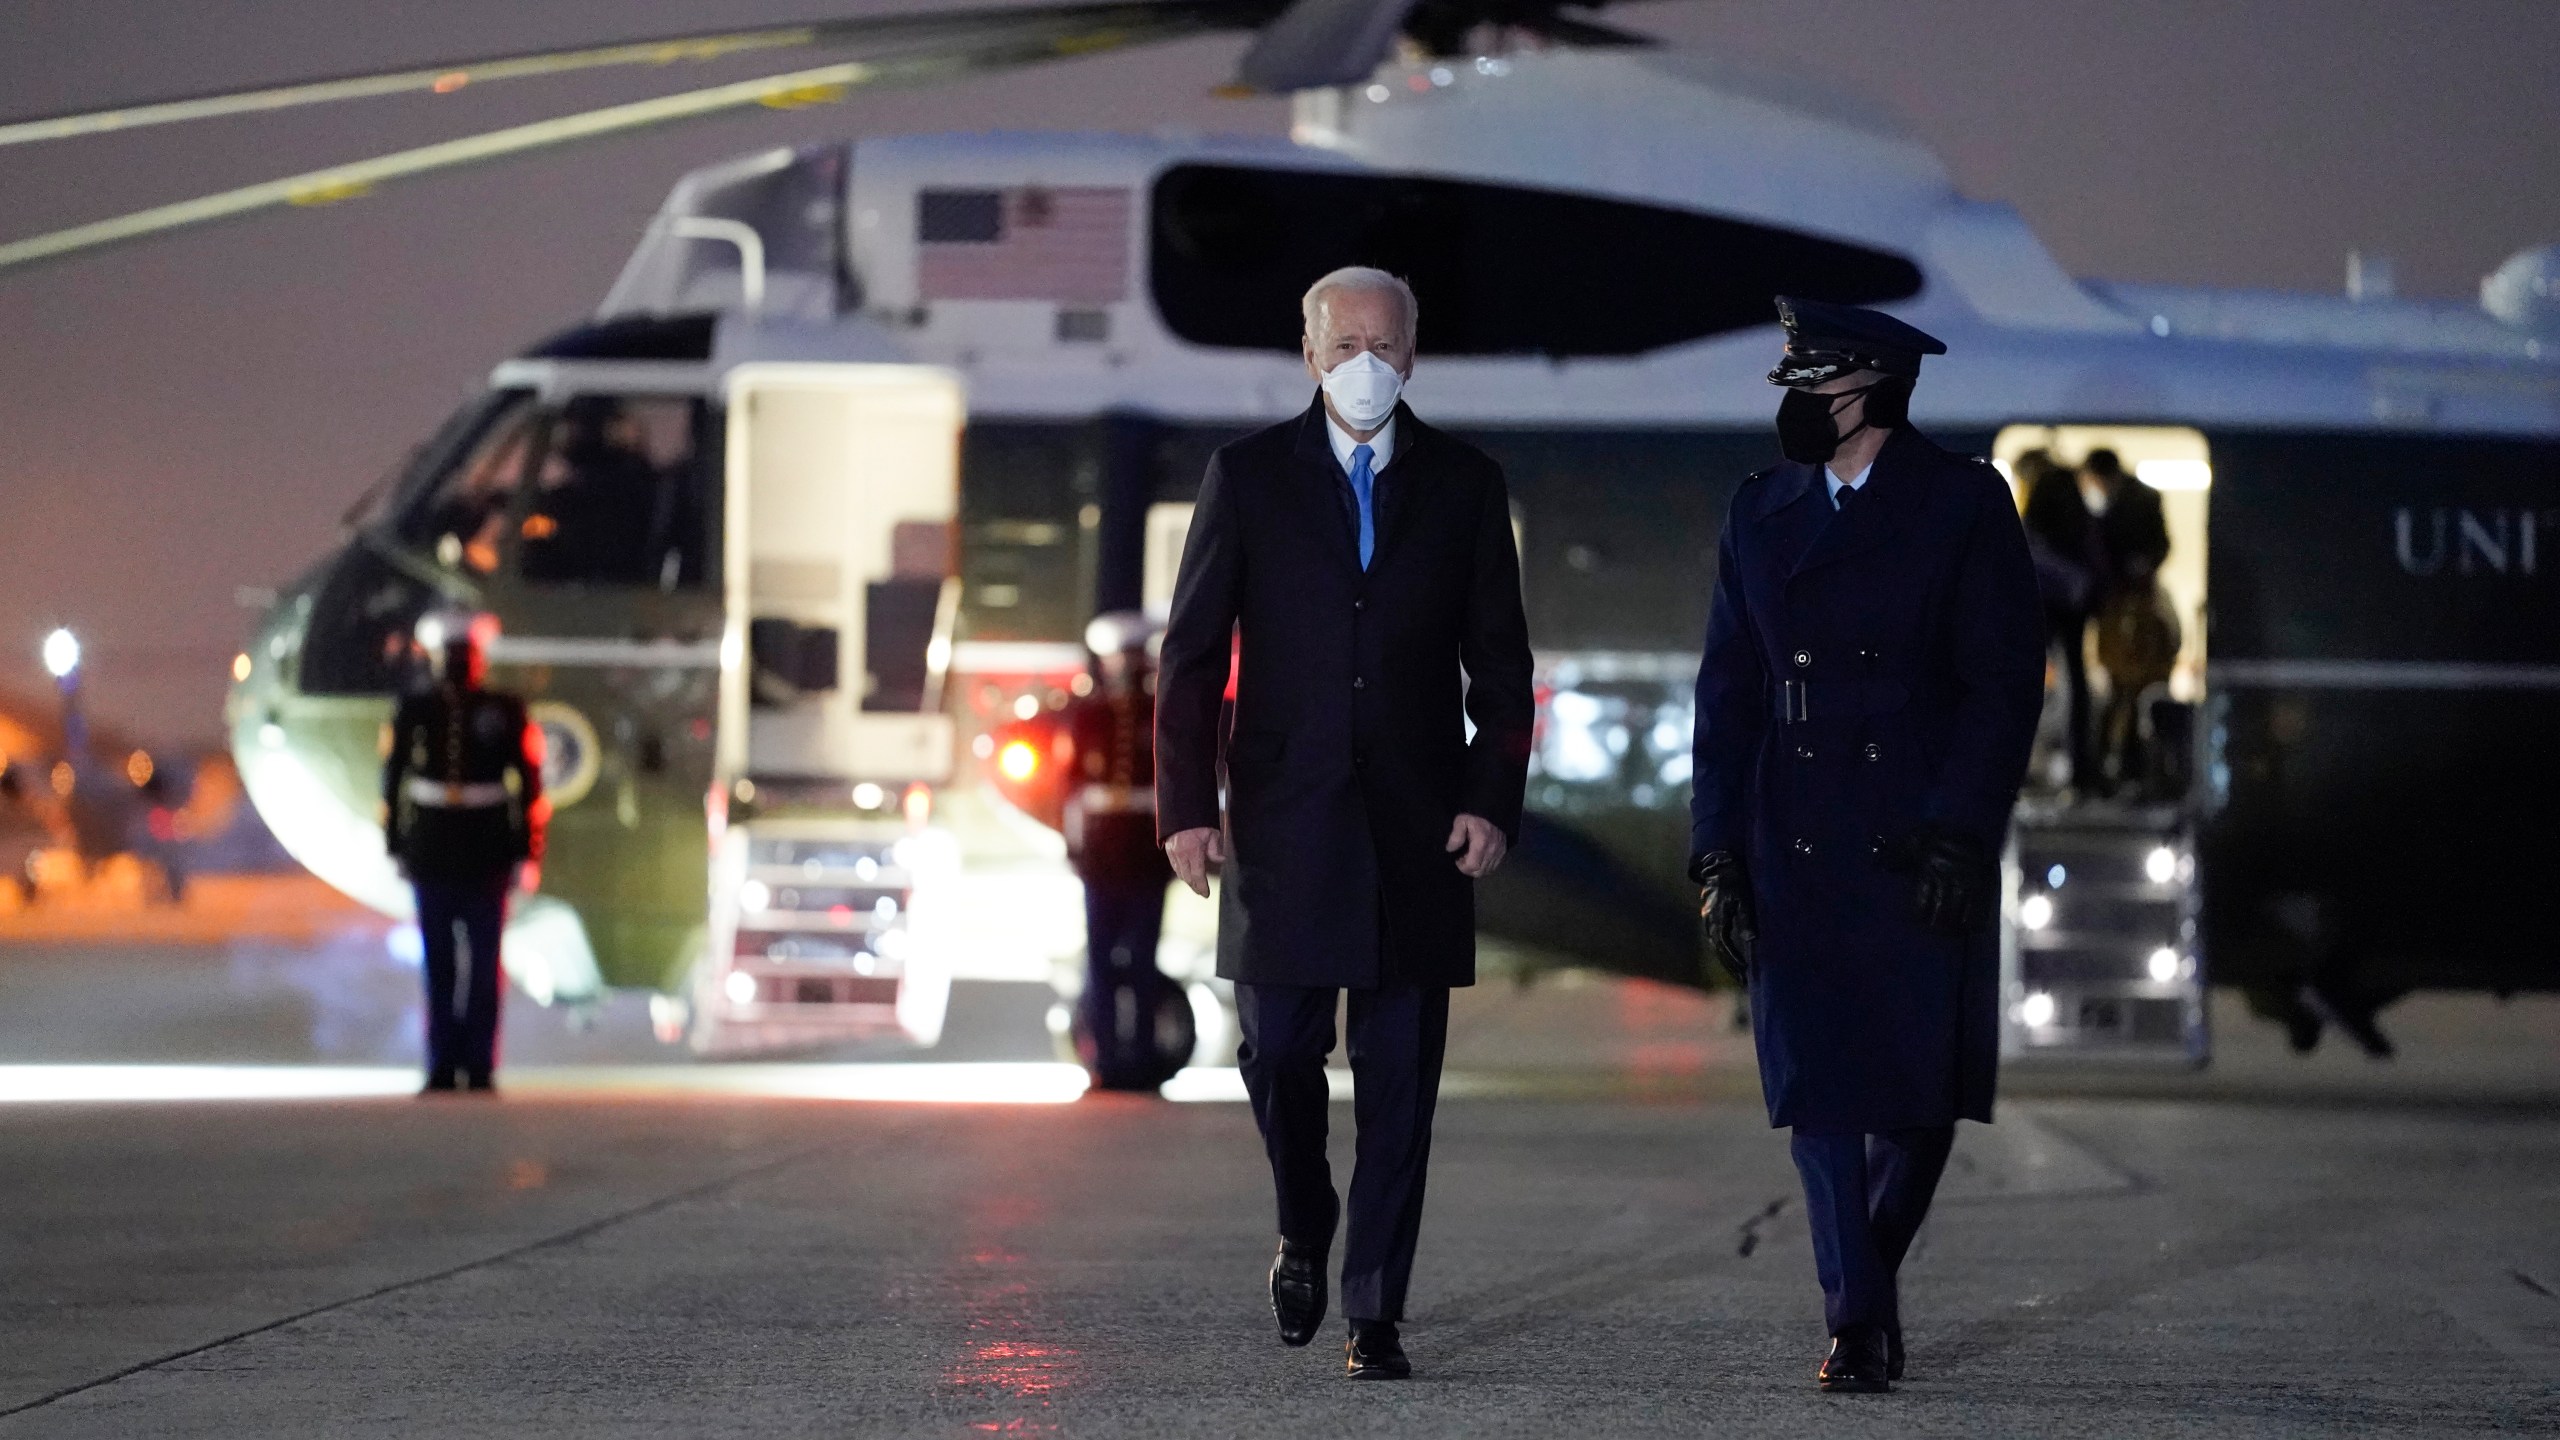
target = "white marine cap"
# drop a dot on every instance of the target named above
(1121, 631)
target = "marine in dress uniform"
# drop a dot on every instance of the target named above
(1363, 559)
(463, 807)
(1110, 825)
(1873, 673)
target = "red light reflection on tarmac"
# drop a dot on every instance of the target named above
(1006, 1357)
(1662, 1027)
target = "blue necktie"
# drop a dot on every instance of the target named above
(1363, 483)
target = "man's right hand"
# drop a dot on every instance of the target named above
(1194, 853)
(1724, 902)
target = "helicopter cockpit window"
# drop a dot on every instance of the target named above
(461, 516)
(619, 495)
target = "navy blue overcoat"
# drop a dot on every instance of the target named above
(1350, 755)
(1868, 672)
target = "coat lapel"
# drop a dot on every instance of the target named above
(1412, 467)
(1794, 513)
(1885, 503)
(1320, 494)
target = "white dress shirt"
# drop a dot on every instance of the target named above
(1832, 478)
(1382, 446)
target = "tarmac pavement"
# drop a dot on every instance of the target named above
(1613, 1246)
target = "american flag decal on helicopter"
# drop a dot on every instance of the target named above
(1069, 244)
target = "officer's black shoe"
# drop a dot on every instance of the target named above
(1298, 1291)
(1375, 1352)
(1857, 1363)
(437, 1085)
(481, 1084)
(1893, 1353)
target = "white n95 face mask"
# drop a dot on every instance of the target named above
(1364, 389)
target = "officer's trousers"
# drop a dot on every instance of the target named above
(458, 923)
(1123, 921)
(1397, 1038)
(1865, 1196)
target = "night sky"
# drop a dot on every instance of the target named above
(189, 416)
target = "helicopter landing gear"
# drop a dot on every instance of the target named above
(1133, 1029)
(2315, 1007)
(2355, 1016)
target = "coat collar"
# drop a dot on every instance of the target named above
(1898, 482)
(1416, 444)
(1788, 484)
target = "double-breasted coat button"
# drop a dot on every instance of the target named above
(1359, 604)
(1803, 658)
(1804, 752)
(1359, 682)
(1803, 846)
(1873, 751)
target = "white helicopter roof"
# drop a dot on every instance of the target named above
(1072, 319)
(1658, 125)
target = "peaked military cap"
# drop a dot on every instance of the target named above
(1824, 340)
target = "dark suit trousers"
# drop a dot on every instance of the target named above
(1397, 1037)
(1866, 1196)
(458, 923)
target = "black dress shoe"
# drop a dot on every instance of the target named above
(437, 1085)
(1297, 1292)
(1375, 1352)
(481, 1084)
(1857, 1364)
(1893, 1353)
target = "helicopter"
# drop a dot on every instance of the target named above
(1056, 330)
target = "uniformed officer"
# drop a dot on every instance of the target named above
(1873, 673)
(1110, 824)
(463, 814)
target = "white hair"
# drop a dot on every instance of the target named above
(1361, 277)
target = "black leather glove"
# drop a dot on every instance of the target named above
(1724, 902)
(1955, 881)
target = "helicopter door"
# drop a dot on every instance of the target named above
(844, 483)
(2100, 951)
(1168, 527)
(2145, 678)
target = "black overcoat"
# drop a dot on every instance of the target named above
(1906, 633)
(1350, 756)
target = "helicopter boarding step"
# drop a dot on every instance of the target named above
(2099, 951)
(821, 945)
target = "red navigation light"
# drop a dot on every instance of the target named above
(1029, 763)
(1018, 761)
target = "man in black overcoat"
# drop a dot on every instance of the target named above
(1873, 673)
(1364, 563)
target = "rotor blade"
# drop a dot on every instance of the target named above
(1019, 45)
(1322, 42)
(446, 78)
(1566, 30)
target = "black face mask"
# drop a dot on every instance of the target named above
(1808, 432)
